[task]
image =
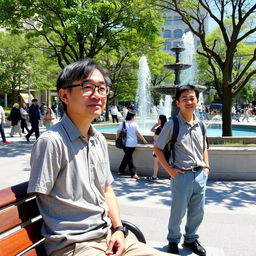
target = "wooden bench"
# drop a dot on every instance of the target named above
(20, 223)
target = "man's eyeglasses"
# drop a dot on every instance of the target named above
(89, 88)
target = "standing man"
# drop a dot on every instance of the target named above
(114, 113)
(2, 122)
(189, 171)
(34, 117)
(70, 173)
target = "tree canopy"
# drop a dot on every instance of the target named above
(115, 33)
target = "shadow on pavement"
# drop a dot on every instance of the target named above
(231, 195)
(16, 148)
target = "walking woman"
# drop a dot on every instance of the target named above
(48, 118)
(156, 129)
(130, 145)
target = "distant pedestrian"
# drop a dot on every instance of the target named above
(114, 113)
(157, 128)
(130, 145)
(55, 110)
(2, 122)
(48, 118)
(246, 113)
(125, 111)
(15, 120)
(34, 117)
(60, 110)
(24, 118)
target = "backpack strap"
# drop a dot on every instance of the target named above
(204, 132)
(175, 133)
(124, 126)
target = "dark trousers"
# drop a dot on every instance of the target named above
(2, 133)
(34, 128)
(114, 118)
(127, 159)
(23, 125)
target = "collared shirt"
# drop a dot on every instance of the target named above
(70, 174)
(190, 143)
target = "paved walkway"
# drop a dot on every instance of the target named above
(230, 219)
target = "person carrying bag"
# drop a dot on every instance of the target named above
(121, 139)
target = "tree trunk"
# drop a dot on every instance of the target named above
(226, 111)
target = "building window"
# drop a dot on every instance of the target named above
(167, 21)
(167, 34)
(177, 20)
(167, 46)
(175, 44)
(177, 33)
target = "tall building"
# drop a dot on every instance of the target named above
(174, 28)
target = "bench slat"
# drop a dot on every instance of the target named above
(13, 194)
(21, 239)
(17, 214)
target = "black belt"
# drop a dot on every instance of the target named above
(193, 169)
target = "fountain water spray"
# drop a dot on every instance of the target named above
(143, 94)
(189, 76)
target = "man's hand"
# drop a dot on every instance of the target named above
(173, 172)
(116, 244)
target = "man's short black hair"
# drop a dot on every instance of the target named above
(79, 70)
(34, 100)
(184, 88)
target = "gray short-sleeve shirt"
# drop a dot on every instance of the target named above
(190, 143)
(70, 174)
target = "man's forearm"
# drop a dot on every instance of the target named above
(114, 212)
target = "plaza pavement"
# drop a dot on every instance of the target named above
(229, 226)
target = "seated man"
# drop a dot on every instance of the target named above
(71, 176)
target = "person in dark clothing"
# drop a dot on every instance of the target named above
(15, 119)
(34, 117)
(24, 118)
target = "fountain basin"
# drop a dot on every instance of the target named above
(227, 163)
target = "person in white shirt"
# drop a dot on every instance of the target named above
(130, 144)
(114, 113)
(2, 122)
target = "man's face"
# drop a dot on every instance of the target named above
(187, 101)
(81, 104)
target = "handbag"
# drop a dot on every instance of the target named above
(121, 140)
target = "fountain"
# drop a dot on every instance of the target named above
(178, 67)
(221, 168)
(143, 95)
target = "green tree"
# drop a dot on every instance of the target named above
(242, 56)
(241, 14)
(22, 66)
(115, 33)
(77, 29)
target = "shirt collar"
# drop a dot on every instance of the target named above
(183, 120)
(73, 132)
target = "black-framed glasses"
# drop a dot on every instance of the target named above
(89, 88)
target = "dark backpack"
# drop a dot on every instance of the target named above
(175, 133)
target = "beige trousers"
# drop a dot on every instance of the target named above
(99, 246)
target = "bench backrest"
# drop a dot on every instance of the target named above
(20, 223)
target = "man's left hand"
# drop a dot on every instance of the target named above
(116, 245)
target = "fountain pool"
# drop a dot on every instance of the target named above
(213, 130)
